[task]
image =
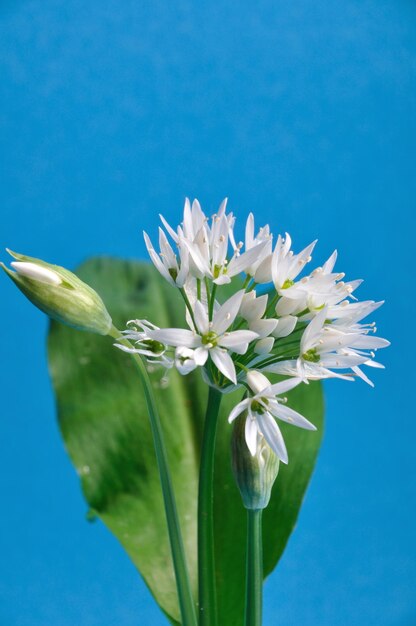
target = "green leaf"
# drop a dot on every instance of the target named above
(103, 419)
(104, 424)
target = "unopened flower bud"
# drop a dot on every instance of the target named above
(60, 294)
(255, 475)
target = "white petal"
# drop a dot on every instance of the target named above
(198, 216)
(369, 342)
(372, 363)
(257, 381)
(36, 272)
(237, 338)
(239, 263)
(125, 348)
(290, 416)
(222, 279)
(313, 331)
(341, 361)
(286, 368)
(222, 207)
(224, 363)
(166, 250)
(201, 355)
(328, 266)
(289, 306)
(284, 386)
(249, 231)
(240, 348)
(187, 220)
(285, 326)
(251, 434)
(361, 375)
(169, 229)
(264, 327)
(201, 317)
(226, 314)
(271, 432)
(175, 337)
(184, 268)
(199, 261)
(264, 346)
(253, 308)
(238, 409)
(156, 260)
(263, 273)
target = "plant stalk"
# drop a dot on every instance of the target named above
(186, 602)
(254, 569)
(206, 557)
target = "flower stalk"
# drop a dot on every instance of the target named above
(254, 569)
(206, 557)
(185, 598)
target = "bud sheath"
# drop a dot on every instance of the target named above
(255, 475)
(60, 294)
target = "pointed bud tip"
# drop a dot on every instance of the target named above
(59, 293)
(36, 272)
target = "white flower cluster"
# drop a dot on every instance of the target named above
(305, 328)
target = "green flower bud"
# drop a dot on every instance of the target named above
(255, 475)
(59, 293)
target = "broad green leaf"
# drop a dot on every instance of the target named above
(103, 419)
(104, 423)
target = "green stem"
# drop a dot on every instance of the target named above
(206, 559)
(207, 292)
(212, 302)
(186, 602)
(246, 281)
(272, 304)
(188, 306)
(254, 570)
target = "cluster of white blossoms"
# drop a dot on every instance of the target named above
(276, 320)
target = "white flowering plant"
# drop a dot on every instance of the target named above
(253, 331)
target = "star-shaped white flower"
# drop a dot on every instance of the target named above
(262, 409)
(285, 265)
(174, 270)
(211, 338)
(321, 288)
(325, 347)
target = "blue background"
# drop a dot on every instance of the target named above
(112, 112)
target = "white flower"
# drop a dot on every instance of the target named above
(327, 347)
(166, 262)
(211, 261)
(303, 327)
(154, 351)
(252, 240)
(253, 310)
(138, 333)
(185, 360)
(286, 265)
(208, 245)
(352, 311)
(262, 409)
(313, 292)
(211, 338)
